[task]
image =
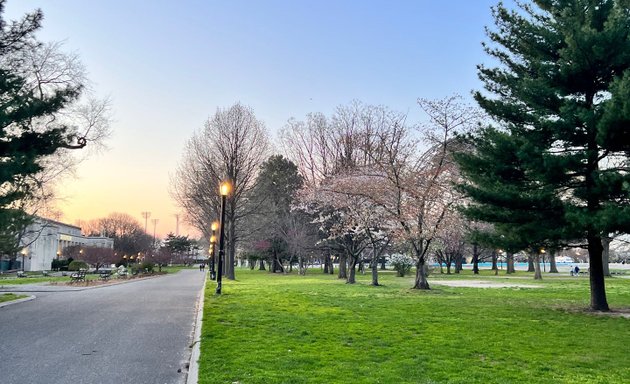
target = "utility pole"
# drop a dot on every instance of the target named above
(177, 224)
(146, 216)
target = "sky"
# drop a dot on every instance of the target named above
(168, 65)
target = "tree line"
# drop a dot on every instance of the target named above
(540, 164)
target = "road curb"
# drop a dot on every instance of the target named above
(193, 365)
(31, 297)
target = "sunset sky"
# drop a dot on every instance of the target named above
(168, 65)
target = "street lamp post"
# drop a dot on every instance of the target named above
(213, 246)
(542, 252)
(23, 255)
(224, 190)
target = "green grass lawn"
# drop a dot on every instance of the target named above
(34, 278)
(315, 329)
(10, 297)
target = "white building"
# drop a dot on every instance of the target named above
(45, 240)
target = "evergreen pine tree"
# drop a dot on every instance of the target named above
(22, 145)
(562, 95)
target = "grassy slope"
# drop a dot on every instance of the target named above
(316, 329)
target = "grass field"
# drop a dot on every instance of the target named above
(34, 277)
(4, 297)
(315, 329)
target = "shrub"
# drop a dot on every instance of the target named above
(60, 265)
(144, 267)
(75, 265)
(401, 263)
(147, 266)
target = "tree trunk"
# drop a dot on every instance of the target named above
(302, 271)
(277, 264)
(229, 263)
(530, 264)
(495, 268)
(596, 274)
(553, 268)
(342, 267)
(326, 261)
(441, 268)
(509, 260)
(536, 260)
(475, 259)
(383, 266)
(352, 263)
(459, 265)
(606, 255)
(362, 267)
(374, 266)
(421, 275)
(331, 266)
(262, 265)
(448, 267)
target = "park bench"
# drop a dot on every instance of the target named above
(21, 274)
(78, 276)
(105, 275)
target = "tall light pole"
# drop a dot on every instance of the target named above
(224, 190)
(176, 224)
(146, 216)
(213, 246)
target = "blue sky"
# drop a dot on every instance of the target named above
(168, 65)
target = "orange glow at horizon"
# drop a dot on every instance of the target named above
(100, 191)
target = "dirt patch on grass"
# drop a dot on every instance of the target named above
(482, 284)
(624, 312)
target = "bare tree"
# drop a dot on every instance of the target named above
(96, 256)
(422, 185)
(371, 153)
(46, 68)
(231, 147)
(127, 232)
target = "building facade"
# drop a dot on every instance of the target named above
(45, 240)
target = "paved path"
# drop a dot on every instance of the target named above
(138, 332)
(482, 284)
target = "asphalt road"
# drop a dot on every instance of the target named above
(137, 332)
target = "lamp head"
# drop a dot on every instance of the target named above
(225, 188)
(213, 239)
(214, 226)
